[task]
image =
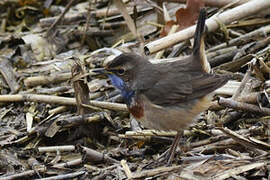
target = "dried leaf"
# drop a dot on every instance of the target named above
(185, 17)
(166, 29)
(130, 23)
(7, 72)
(81, 89)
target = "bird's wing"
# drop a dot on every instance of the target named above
(181, 87)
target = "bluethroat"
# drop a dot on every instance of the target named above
(168, 95)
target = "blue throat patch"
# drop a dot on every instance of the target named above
(120, 84)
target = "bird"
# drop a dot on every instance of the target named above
(169, 95)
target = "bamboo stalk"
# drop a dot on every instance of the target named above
(59, 100)
(243, 106)
(261, 32)
(213, 3)
(226, 17)
(42, 80)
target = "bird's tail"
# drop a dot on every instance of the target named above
(199, 48)
(198, 37)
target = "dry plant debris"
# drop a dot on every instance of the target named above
(60, 120)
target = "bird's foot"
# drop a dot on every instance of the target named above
(165, 158)
(168, 156)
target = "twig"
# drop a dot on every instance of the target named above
(245, 141)
(126, 169)
(86, 26)
(130, 23)
(38, 98)
(94, 32)
(172, 30)
(149, 133)
(109, 105)
(212, 3)
(64, 176)
(7, 72)
(52, 27)
(228, 89)
(207, 141)
(230, 116)
(90, 155)
(56, 148)
(58, 110)
(78, 120)
(235, 65)
(68, 164)
(42, 80)
(53, 90)
(59, 100)
(112, 25)
(205, 157)
(223, 58)
(154, 172)
(243, 106)
(237, 170)
(251, 22)
(252, 48)
(48, 21)
(25, 174)
(242, 85)
(261, 32)
(82, 16)
(251, 98)
(216, 146)
(210, 55)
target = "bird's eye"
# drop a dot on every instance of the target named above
(120, 71)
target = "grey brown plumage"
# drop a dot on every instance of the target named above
(173, 82)
(169, 95)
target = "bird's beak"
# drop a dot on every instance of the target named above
(101, 71)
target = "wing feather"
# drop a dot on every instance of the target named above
(181, 87)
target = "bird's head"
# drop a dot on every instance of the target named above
(123, 71)
(125, 68)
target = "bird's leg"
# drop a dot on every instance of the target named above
(172, 150)
(168, 155)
